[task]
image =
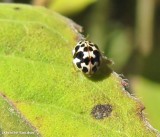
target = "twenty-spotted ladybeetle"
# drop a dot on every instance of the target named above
(87, 57)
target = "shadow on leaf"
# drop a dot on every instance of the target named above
(103, 72)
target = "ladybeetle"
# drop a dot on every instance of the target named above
(87, 57)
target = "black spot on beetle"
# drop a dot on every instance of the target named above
(85, 49)
(82, 45)
(96, 46)
(79, 55)
(85, 69)
(91, 44)
(101, 111)
(78, 65)
(90, 48)
(76, 48)
(86, 61)
(97, 59)
(92, 60)
(96, 53)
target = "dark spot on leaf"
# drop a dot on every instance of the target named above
(101, 111)
(17, 8)
(85, 69)
(82, 112)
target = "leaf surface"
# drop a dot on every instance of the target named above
(37, 75)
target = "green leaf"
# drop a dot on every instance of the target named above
(12, 122)
(37, 75)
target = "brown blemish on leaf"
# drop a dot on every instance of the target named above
(101, 111)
